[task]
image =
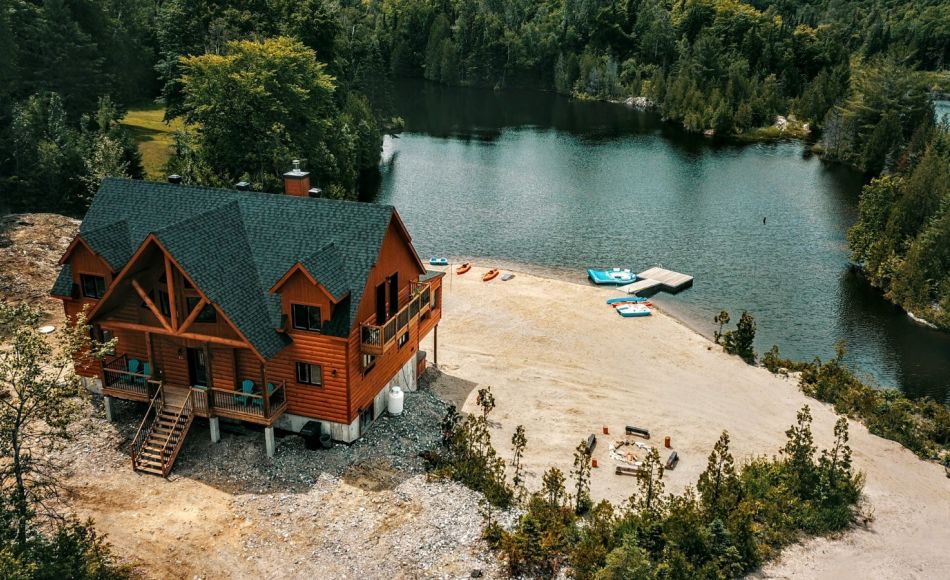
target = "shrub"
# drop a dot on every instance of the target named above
(741, 340)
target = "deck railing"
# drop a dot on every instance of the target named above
(148, 422)
(239, 405)
(377, 339)
(117, 380)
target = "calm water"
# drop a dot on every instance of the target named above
(538, 180)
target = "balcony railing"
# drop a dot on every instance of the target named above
(118, 380)
(378, 339)
(255, 407)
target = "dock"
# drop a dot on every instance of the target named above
(656, 279)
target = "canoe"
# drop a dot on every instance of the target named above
(507, 277)
(433, 261)
(624, 299)
(615, 276)
(490, 275)
(463, 268)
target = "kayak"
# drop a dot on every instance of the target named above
(490, 275)
(621, 305)
(433, 261)
(463, 268)
(626, 299)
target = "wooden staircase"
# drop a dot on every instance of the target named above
(162, 433)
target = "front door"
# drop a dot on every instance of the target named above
(197, 367)
(394, 294)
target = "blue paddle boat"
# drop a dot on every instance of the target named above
(433, 261)
(626, 299)
(633, 310)
(614, 276)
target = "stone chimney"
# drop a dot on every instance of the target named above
(297, 182)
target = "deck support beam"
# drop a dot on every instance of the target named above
(215, 424)
(269, 443)
(107, 404)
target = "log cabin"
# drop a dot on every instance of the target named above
(283, 310)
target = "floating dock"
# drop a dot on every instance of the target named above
(656, 279)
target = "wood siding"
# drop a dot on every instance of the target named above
(395, 256)
(327, 402)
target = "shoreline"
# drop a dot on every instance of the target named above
(563, 365)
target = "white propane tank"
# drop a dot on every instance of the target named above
(394, 401)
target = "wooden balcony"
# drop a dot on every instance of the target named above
(118, 381)
(251, 407)
(254, 407)
(378, 339)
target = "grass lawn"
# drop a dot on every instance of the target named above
(154, 137)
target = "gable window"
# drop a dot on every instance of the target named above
(309, 374)
(164, 306)
(92, 286)
(207, 314)
(306, 317)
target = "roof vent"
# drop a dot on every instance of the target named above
(315, 192)
(242, 186)
(174, 178)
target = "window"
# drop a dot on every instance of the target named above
(306, 317)
(164, 306)
(369, 361)
(207, 314)
(101, 336)
(402, 339)
(92, 286)
(309, 374)
(366, 418)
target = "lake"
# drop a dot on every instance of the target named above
(543, 183)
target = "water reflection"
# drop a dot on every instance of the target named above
(532, 178)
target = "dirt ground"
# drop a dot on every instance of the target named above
(564, 365)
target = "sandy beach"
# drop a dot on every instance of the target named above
(564, 365)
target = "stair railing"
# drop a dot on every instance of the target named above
(147, 424)
(184, 416)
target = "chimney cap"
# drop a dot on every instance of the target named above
(315, 192)
(174, 178)
(242, 186)
(296, 171)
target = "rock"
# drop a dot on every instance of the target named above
(641, 103)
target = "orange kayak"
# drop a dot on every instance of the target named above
(490, 275)
(463, 268)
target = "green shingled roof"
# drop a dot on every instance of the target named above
(326, 266)
(236, 245)
(63, 286)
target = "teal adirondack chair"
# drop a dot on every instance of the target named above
(260, 402)
(134, 368)
(147, 371)
(247, 387)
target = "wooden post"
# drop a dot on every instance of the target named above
(264, 391)
(149, 352)
(172, 295)
(435, 346)
(210, 384)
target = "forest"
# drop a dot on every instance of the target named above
(261, 82)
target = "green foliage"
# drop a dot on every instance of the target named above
(469, 457)
(742, 516)
(740, 341)
(581, 475)
(41, 400)
(923, 426)
(722, 319)
(902, 237)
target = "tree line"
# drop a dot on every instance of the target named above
(258, 83)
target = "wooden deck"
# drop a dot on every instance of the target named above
(655, 279)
